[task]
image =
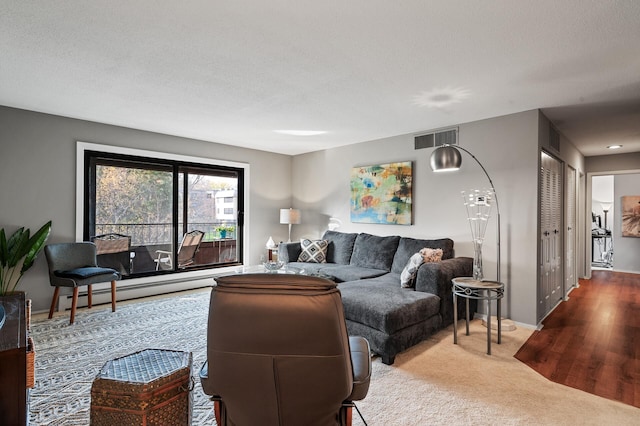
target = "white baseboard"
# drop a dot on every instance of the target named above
(101, 293)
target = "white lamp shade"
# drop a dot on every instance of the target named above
(605, 206)
(289, 216)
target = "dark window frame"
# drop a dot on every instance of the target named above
(95, 157)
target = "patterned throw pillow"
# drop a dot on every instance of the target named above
(431, 255)
(408, 274)
(313, 251)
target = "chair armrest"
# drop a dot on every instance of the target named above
(289, 252)
(361, 364)
(163, 252)
(435, 278)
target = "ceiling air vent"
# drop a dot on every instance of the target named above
(437, 138)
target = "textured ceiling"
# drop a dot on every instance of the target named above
(235, 71)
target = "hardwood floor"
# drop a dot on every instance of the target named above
(592, 341)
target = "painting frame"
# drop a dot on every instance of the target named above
(630, 215)
(382, 193)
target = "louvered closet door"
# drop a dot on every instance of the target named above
(551, 253)
(570, 262)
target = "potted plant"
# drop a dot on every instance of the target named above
(17, 255)
(223, 230)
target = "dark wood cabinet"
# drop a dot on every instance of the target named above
(13, 362)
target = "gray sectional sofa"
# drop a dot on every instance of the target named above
(367, 269)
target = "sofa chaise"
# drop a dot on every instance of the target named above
(368, 270)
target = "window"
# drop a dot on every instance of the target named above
(168, 208)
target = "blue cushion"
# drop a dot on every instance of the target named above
(86, 272)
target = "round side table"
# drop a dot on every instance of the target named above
(470, 288)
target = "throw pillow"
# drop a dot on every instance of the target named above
(431, 255)
(408, 274)
(313, 251)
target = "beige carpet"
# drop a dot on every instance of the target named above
(439, 383)
(433, 383)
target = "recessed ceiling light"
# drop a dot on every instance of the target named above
(441, 97)
(614, 146)
(301, 132)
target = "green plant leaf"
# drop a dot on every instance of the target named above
(35, 245)
(3, 249)
(17, 246)
(18, 253)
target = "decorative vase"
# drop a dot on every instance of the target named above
(223, 234)
(477, 260)
(478, 204)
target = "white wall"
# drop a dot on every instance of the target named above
(37, 180)
(506, 146)
(626, 250)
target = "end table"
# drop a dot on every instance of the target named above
(470, 288)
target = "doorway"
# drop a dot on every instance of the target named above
(602, 222)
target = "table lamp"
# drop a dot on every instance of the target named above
(289, 217)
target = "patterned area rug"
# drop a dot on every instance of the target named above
(432, 383)
(68, 357)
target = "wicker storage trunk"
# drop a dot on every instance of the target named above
(151, 387)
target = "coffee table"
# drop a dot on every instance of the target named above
(260, 269)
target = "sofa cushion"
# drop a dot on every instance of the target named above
(337, 273)
(382, 304)
(408, 275)
(430, 255)
(407, 247)
(342, 273)
(340, 246)
(314, 251)
(372, 251)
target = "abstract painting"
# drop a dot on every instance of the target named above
(382, 193)
(631, 216)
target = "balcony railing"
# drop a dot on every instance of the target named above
(145, 234)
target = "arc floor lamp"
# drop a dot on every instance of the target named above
(448, 158)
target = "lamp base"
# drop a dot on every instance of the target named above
(506, 324)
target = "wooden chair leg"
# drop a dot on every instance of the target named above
(74, 304)
(349, 416)
(216, 411)
(113, 296)
(54, 301)
(89, 304)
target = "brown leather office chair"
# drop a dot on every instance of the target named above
(278, 352)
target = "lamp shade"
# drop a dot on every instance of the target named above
(605, 206)
(445, 158)
(290, 216)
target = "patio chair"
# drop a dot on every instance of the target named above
(186, 252)
(114, 251)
